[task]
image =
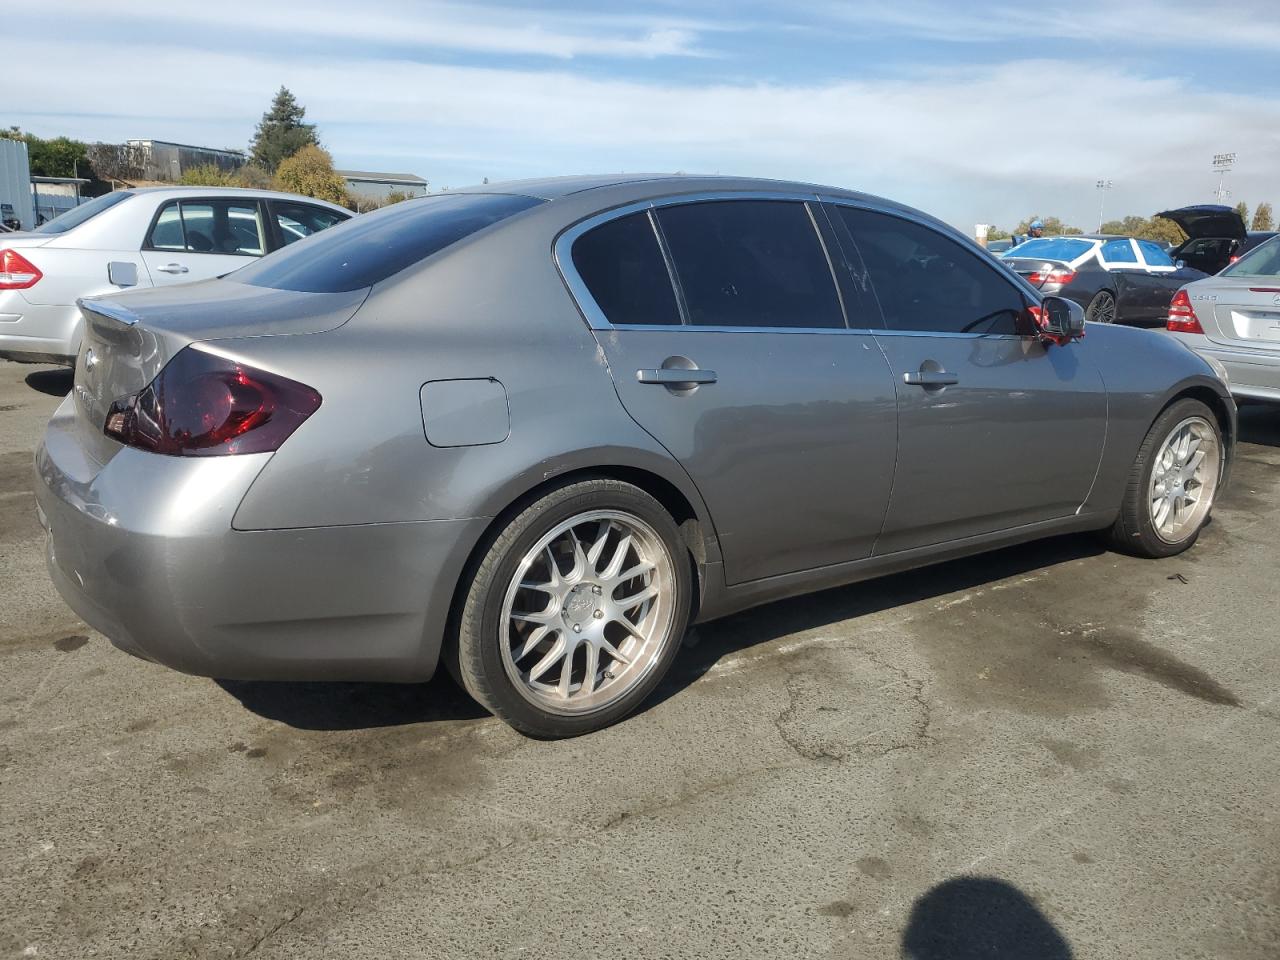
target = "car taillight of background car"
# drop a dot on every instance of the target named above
(17, 272)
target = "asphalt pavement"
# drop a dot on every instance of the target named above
(1048, 752)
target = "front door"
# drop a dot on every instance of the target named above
(198, 239)
(996, 430)
(743, 368)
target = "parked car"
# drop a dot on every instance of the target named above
(1216, 236)
(535, 430)
(1116, 279)
(1234, 318)
(136, 238)
(999, 246)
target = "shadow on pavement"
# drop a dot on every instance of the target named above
(354, 706)
(740, 631)
(968, 918)
(1260, 423)
(54, 383)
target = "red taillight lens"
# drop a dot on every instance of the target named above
(1182, 316)
(202, 405)
(1040, 278)
(17, 272)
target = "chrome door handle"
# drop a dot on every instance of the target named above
(930, 378)
(675, 376)
(173, 268)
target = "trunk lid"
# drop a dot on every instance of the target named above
(1245, 311)
(1207, 220)
(1037, 267)
(19, 239)
(128, 338)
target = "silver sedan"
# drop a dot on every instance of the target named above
(1234, 318)
(533, 431)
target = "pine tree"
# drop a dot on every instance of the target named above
(1242, 208)
(282, 132)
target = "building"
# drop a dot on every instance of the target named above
(15, 184)
(162, 160)
(364, 185)
(51, 196)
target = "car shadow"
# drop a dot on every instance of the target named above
(354, 706)
(719, 638)
(54, 383)
(1260, 424)
(980, 918)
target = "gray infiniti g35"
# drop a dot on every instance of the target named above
(533, 431)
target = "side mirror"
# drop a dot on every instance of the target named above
(1180, 264)
(1060, 320)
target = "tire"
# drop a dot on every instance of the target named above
(1160, 478)
(1102, 308)
(519, 610)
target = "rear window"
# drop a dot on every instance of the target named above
(1261, 261)
(1050, 248)
(367, 249)
(1154, 254)
(86, 211)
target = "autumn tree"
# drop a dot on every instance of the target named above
(310, 172)
(1242, 208)
(1053, 227)
(282, 132)
(1263, 218)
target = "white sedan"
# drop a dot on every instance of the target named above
(136, 238)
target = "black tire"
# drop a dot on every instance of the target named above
(1102, 308)
(480, 662)
(1134, 531)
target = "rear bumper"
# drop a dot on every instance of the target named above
(37, 333)
(143, 550)
(1254, 373)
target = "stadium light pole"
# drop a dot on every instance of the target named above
(1222, 164)
(1103, 187)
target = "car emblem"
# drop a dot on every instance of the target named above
(1276, 299)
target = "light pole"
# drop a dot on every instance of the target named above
(1222, 164)
(1103, 187)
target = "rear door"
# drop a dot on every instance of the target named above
(725, 335)
(197, 239)
(1155, 286)
(995, 429)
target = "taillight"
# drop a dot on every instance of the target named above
(1051, 276)
(203, 405)
(17, 272)
(1182, 316)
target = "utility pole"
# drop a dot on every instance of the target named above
(1103, 187)
(1222, 164)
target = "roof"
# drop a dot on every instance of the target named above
(59, 180)
(192, 146)
(373, 177)
(183, 191)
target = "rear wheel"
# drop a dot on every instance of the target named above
(576, 611)
(1172, 483)
(1102, 308)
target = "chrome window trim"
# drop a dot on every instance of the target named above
(562, 254)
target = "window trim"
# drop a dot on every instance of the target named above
(562, 254)
(257, 202)
(999, 269)
(1138, 263)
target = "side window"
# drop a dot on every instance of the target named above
(925, 281)
(622, 265)
(1118, 251)
(298, 220)
(751, 263)
(1154, 254)
(209, 226)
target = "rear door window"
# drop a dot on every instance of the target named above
(623, 268)
(927, 282)
(297, 220)
(367, 249)
(1155, 255)
(751, 263)
(229, 227)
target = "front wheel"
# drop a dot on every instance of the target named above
(576, 611)
(1172, 483)
(1102, 308)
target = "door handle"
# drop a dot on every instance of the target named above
(675, 376)
(172, 268)
(930, 378)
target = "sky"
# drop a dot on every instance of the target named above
(985, 111)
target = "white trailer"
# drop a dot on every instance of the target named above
(15, 183)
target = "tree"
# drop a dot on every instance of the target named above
(1155, 228)
(59, 157)
(310, 172)
(282, 132)
(1242, 208)
(1262, 218)
(207, 175)
(1053, 227)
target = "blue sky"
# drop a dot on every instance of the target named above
(985, 111)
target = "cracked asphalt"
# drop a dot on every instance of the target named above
(1047, 752)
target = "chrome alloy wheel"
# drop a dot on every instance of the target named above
(1103, 308)
(588, 612)
(1184, 477)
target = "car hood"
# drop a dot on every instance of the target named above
(1207, 220)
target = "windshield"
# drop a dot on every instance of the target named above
(1262, 261)
(1050, 248)
(86, 211)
